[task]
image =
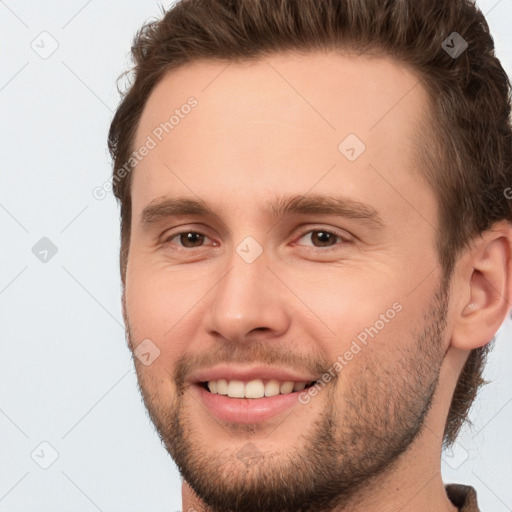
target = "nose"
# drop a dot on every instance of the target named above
(248, 301)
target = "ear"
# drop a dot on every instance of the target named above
(483, 287)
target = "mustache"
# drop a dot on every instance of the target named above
(267, 353)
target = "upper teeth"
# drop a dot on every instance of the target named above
(256, 388)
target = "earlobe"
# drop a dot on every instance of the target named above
(484, 283)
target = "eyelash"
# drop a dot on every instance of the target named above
(343, 239)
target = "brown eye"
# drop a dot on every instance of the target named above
(190, 239)
(320, 238)
(324, 238)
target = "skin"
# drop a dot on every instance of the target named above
(372, 436)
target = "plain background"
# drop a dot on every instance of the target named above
(66, 376)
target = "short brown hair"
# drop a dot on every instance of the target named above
(469, 94)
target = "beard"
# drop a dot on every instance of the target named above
(367, 422)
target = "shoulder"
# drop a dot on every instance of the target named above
(462, 496)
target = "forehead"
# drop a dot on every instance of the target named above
(281, 123)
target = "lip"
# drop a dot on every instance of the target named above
(247, 373)
(245, 410)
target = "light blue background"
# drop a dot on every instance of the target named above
(66, 375)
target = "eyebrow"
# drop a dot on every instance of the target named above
(325, 205)
(281, 206)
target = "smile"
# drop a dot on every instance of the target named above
(256, 388)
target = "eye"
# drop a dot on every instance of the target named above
(323, 238)
(318, 239)
(187, 239)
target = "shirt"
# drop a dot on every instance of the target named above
(462, 496)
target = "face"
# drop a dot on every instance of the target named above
(281, 236)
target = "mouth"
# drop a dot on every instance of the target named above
(249, 402)
(255, 388)
(251, 393)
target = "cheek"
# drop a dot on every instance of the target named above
(159, 307)
(343, 302)
(355, 319)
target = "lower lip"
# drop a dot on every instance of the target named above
(246, 410)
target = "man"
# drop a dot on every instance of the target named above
(316, 243)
